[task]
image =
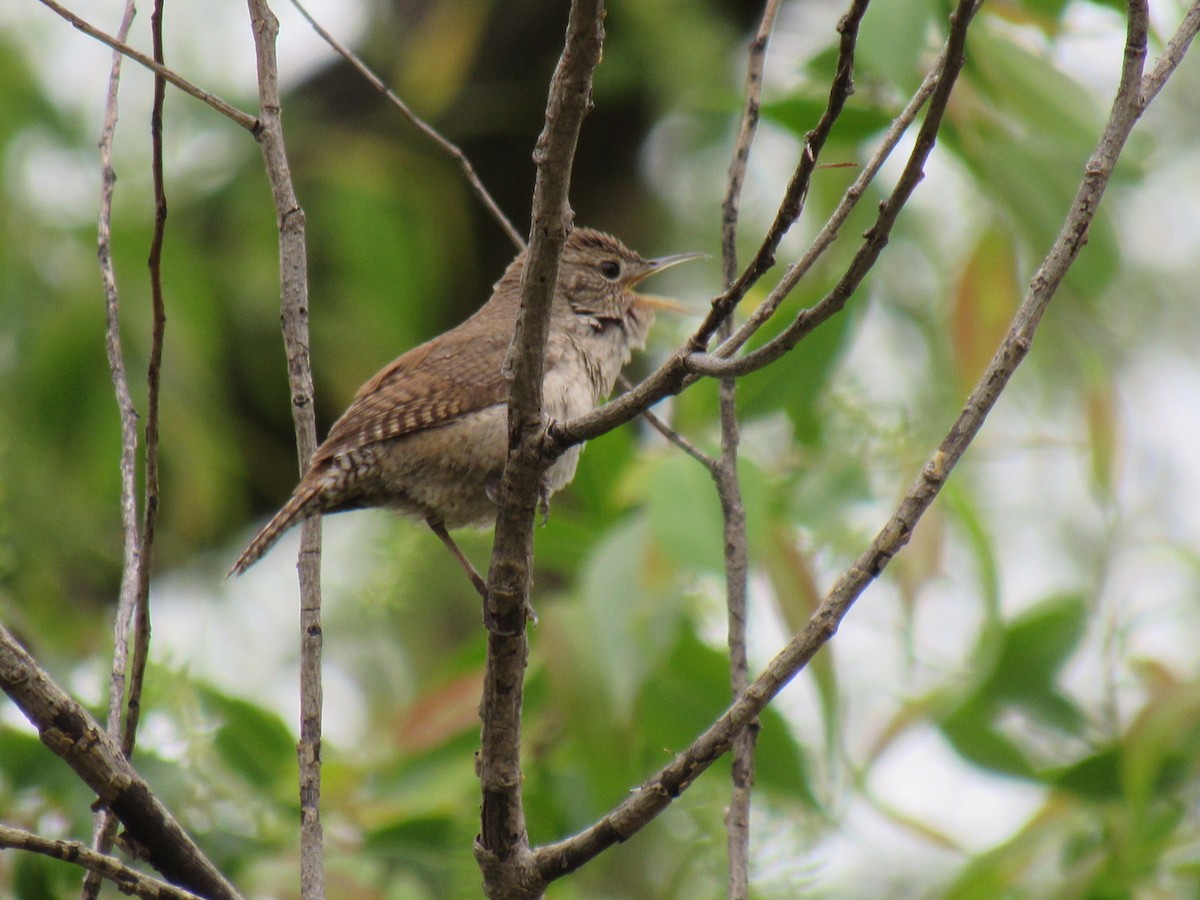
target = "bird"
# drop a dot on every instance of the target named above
(427, 436)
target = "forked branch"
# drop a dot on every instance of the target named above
(503, 845)
(657, 793)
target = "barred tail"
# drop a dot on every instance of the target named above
(304, 503)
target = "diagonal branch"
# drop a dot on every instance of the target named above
(671, 434)
(846, 205)
(232, 113)
(672, 376)
(68, 730)
(876, 237)
(128, 881)
(657, 793)
(421, 125)
(797, 190)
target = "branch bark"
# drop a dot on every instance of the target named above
(502, 848)
(230, 112)
(128, 881)
(293, 274)
(421, 125)
(133, 612)
(70, 732)
(729, 491)
(654, 795)
(673, 375)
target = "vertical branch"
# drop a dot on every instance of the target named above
(141, 625)
(104, 824)
(293, 273)
(725, 474)
(502, 848)
(116, 362)
(129, 672)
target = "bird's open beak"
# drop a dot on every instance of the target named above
(653, 267)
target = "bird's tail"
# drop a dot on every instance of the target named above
(304, 503)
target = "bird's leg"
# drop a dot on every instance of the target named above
(436, 526)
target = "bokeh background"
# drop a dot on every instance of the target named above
(1013, 710)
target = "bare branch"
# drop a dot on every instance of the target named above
(502, 848)
(128, 414)
(737, 566)
(657, 793)
(128, 881)
(71, 733)
(875, 238)
(756, 62)
(672, 376)
(293, 271)
(1172, 55)
(833, 225)
(232, 113)
(725, 477)
(134, 607)
(133, 570)
(141, 631)
(670, 433)
(421, 125)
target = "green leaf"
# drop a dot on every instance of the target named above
(683, 512)
(1096, 777)
(1037, 644)
(892, 41)
(970, 732)
(630, 610)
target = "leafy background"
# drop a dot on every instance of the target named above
(1012, 711)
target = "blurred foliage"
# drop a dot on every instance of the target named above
(628, 663)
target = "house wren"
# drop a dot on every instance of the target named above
(428, 435)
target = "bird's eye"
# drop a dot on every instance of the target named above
(610, 269)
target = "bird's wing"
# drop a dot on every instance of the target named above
(429, 385)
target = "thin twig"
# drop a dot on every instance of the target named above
(797, 189)
(103, 824)
(755, 65)
(104, 830)
(68, 730)
(502, 848)
(725, 477)
(833, 225)
(421, 125)
(293, 270)
(673, 375)
(128, 881)
(657, 792)
(670, 433)
(874, 240)
(1171, 56)
(141, 630)
(232, 113)
(737, 564)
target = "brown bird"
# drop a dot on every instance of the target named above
(428, 435)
